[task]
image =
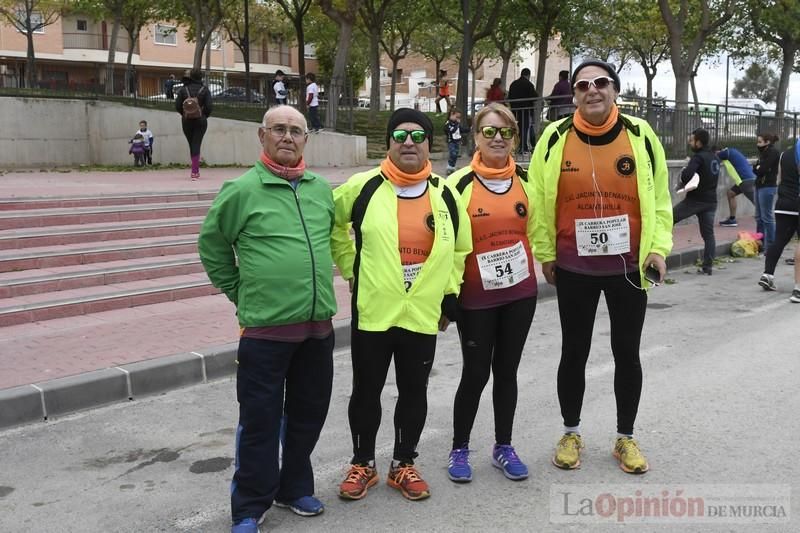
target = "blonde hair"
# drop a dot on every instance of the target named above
(503, 111)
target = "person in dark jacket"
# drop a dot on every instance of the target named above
(522, 97)
(701, 201)
(560, 99)
(766, 170)
(787, 215)
(194, 128)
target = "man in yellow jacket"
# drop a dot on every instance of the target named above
(604, 220)
(405, 266)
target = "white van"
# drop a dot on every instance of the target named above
(749, 106)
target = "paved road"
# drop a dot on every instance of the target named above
(719, 407)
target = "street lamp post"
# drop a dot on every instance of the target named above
(246, 51)
(727, 74)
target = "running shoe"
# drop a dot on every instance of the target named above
(405, 478)
(247, 525)
(505, 458)
(729, 223)
(795, 297)
(458, 467)
(789, 261)
(568, 451)
(303, 506)
(630, 457)
(767, 282)
(359, 478)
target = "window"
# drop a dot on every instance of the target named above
(36, 21)
(310, 51)
(216, 40)
(81, 25)
(165, 34)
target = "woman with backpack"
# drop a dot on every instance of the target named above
(193, 102)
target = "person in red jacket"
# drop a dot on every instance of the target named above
(495, 93)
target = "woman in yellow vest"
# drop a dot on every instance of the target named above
(498, 296)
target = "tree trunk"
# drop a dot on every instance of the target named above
(199, 44)
(544, 40)
(375, 103)
(463, 66)
(789, 53)
(393, 90)
(339, 72)
(208, 59)
(472, 93)
(504, 70)
(112, 52)
(680, 130)
(301, 64)
(129, 62)
(695, 99)
(30, 67)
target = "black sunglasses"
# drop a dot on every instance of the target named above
(490, 131)
(417, 136)
(600, 82)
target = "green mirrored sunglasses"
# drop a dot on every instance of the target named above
(417, 136)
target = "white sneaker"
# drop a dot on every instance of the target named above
(767, 282)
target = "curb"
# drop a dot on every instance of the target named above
(43, 401)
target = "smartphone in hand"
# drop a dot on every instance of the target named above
(652, 275)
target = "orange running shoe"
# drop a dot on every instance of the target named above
(359, 478)
(406, 479)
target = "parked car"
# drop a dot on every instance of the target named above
(238, 94)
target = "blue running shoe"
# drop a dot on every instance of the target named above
(505, 458)
(247, 525)
(458, 468)
(303, 506)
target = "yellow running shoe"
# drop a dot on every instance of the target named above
(630, 457)
(568, 451)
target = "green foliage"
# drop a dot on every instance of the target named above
(324, 33)
(759, 81)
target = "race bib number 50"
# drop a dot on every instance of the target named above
(504, 267)
(603, 236)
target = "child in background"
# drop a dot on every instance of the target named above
(138, 149)
(453, 130)
(148, 137)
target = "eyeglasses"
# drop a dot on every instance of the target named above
(417, 136)
(600, 82)
(280, 130)
(490, 131)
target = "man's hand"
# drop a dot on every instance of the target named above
(443, 323)
(549, 271)
(659, 263)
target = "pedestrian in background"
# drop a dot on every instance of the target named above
(453, 130)
(404, 267)
(266, 244)
(495, 92)
(744, 181)
(193, 102)
(702, 200)
(603, 219)
(312, 101)
(560, 100)
(168, 87)
(498, 296)
(279, 88)
(443, 92)
(787, 211)
(522, 97)
(766, 171)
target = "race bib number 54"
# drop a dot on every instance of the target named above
(504, 267)
(603, 236)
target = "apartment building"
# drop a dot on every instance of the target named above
(73, 53)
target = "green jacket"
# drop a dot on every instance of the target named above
(368, 203)
(655, 201)
(267, 247)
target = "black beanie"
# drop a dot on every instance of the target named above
(612, 72)
(406, 114)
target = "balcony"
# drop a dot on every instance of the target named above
(98, 41)
(274, 54)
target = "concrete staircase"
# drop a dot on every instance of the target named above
(63, 257)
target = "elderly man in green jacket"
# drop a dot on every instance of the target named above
(266, 243)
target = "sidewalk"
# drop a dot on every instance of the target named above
(101, 357)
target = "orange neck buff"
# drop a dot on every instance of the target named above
(403, 179)
(287, 173)
(490, 173)
(591, 129)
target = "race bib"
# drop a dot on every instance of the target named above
(410, 273)
(603, 236)
(504, 267)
